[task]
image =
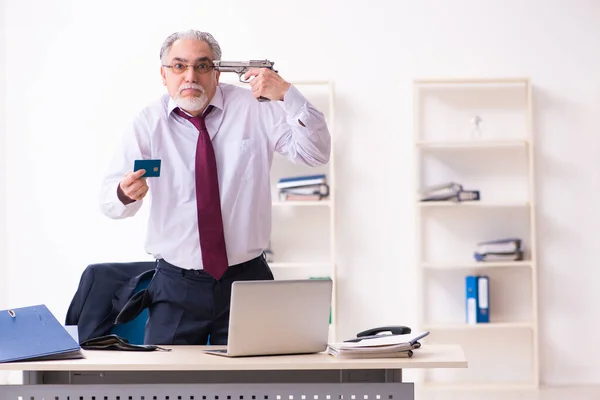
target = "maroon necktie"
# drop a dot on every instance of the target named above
(208, 201)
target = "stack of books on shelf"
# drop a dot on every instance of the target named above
(450, 191)
(303, 188)
(477, 299)
(506, 249)
(386, 346)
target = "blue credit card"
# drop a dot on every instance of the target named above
(152, 167)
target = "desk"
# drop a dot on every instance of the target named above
(186, 373)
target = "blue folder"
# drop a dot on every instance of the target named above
(483, 299)
(471, 297)
(34, 334)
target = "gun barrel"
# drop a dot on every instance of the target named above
(237, 69)
(235, 66)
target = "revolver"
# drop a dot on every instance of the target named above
(240, 68)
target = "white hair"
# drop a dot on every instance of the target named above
(190, 34)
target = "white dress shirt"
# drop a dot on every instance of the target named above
(245, 133)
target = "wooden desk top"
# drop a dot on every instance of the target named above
(192, 358)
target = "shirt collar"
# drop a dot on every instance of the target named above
(216, 101)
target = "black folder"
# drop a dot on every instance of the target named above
(34, 334)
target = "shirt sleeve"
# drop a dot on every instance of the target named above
(134, 145)
(300, 132)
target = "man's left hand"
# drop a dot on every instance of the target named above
(266, 83)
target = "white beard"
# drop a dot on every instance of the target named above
(195, 103)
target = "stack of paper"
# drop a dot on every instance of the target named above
(387, 346)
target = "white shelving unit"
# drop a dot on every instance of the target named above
(498, 161)
(303, 232)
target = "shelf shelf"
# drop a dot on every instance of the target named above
(473, 144)
(302, 203)
(492, 387)
(476, 327)
(500, 163)
(477, 265)
(473, 204)
(477, 81)
(300, 265)
(303, 236)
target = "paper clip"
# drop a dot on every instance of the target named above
(12, 314)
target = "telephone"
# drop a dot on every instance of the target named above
(377, 332)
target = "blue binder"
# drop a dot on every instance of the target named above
(34, 334)
(483, 299)
(471, 299)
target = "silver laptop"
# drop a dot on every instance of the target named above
(278, 317)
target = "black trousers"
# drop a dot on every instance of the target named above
(189, 306)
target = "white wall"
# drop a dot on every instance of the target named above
(78, 73)
(3, 237)
(5, 377)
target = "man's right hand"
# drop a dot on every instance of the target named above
(132, 187)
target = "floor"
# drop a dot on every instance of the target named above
(547, 393)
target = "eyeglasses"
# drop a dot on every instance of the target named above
(179, 68)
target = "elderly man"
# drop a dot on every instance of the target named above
(210, 209)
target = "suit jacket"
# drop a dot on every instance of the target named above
(103, 291)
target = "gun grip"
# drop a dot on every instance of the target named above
(262, 98)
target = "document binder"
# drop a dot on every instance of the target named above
(483, 299)
(471, 295)
(34, 334)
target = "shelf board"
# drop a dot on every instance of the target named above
(473, 204)
(300, 265)
(318, 83)
(476, 265)
(475, 327)
(473, 144)
(302, 203)
(467, 386)
(463, 81)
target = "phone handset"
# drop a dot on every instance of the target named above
(379, 332)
